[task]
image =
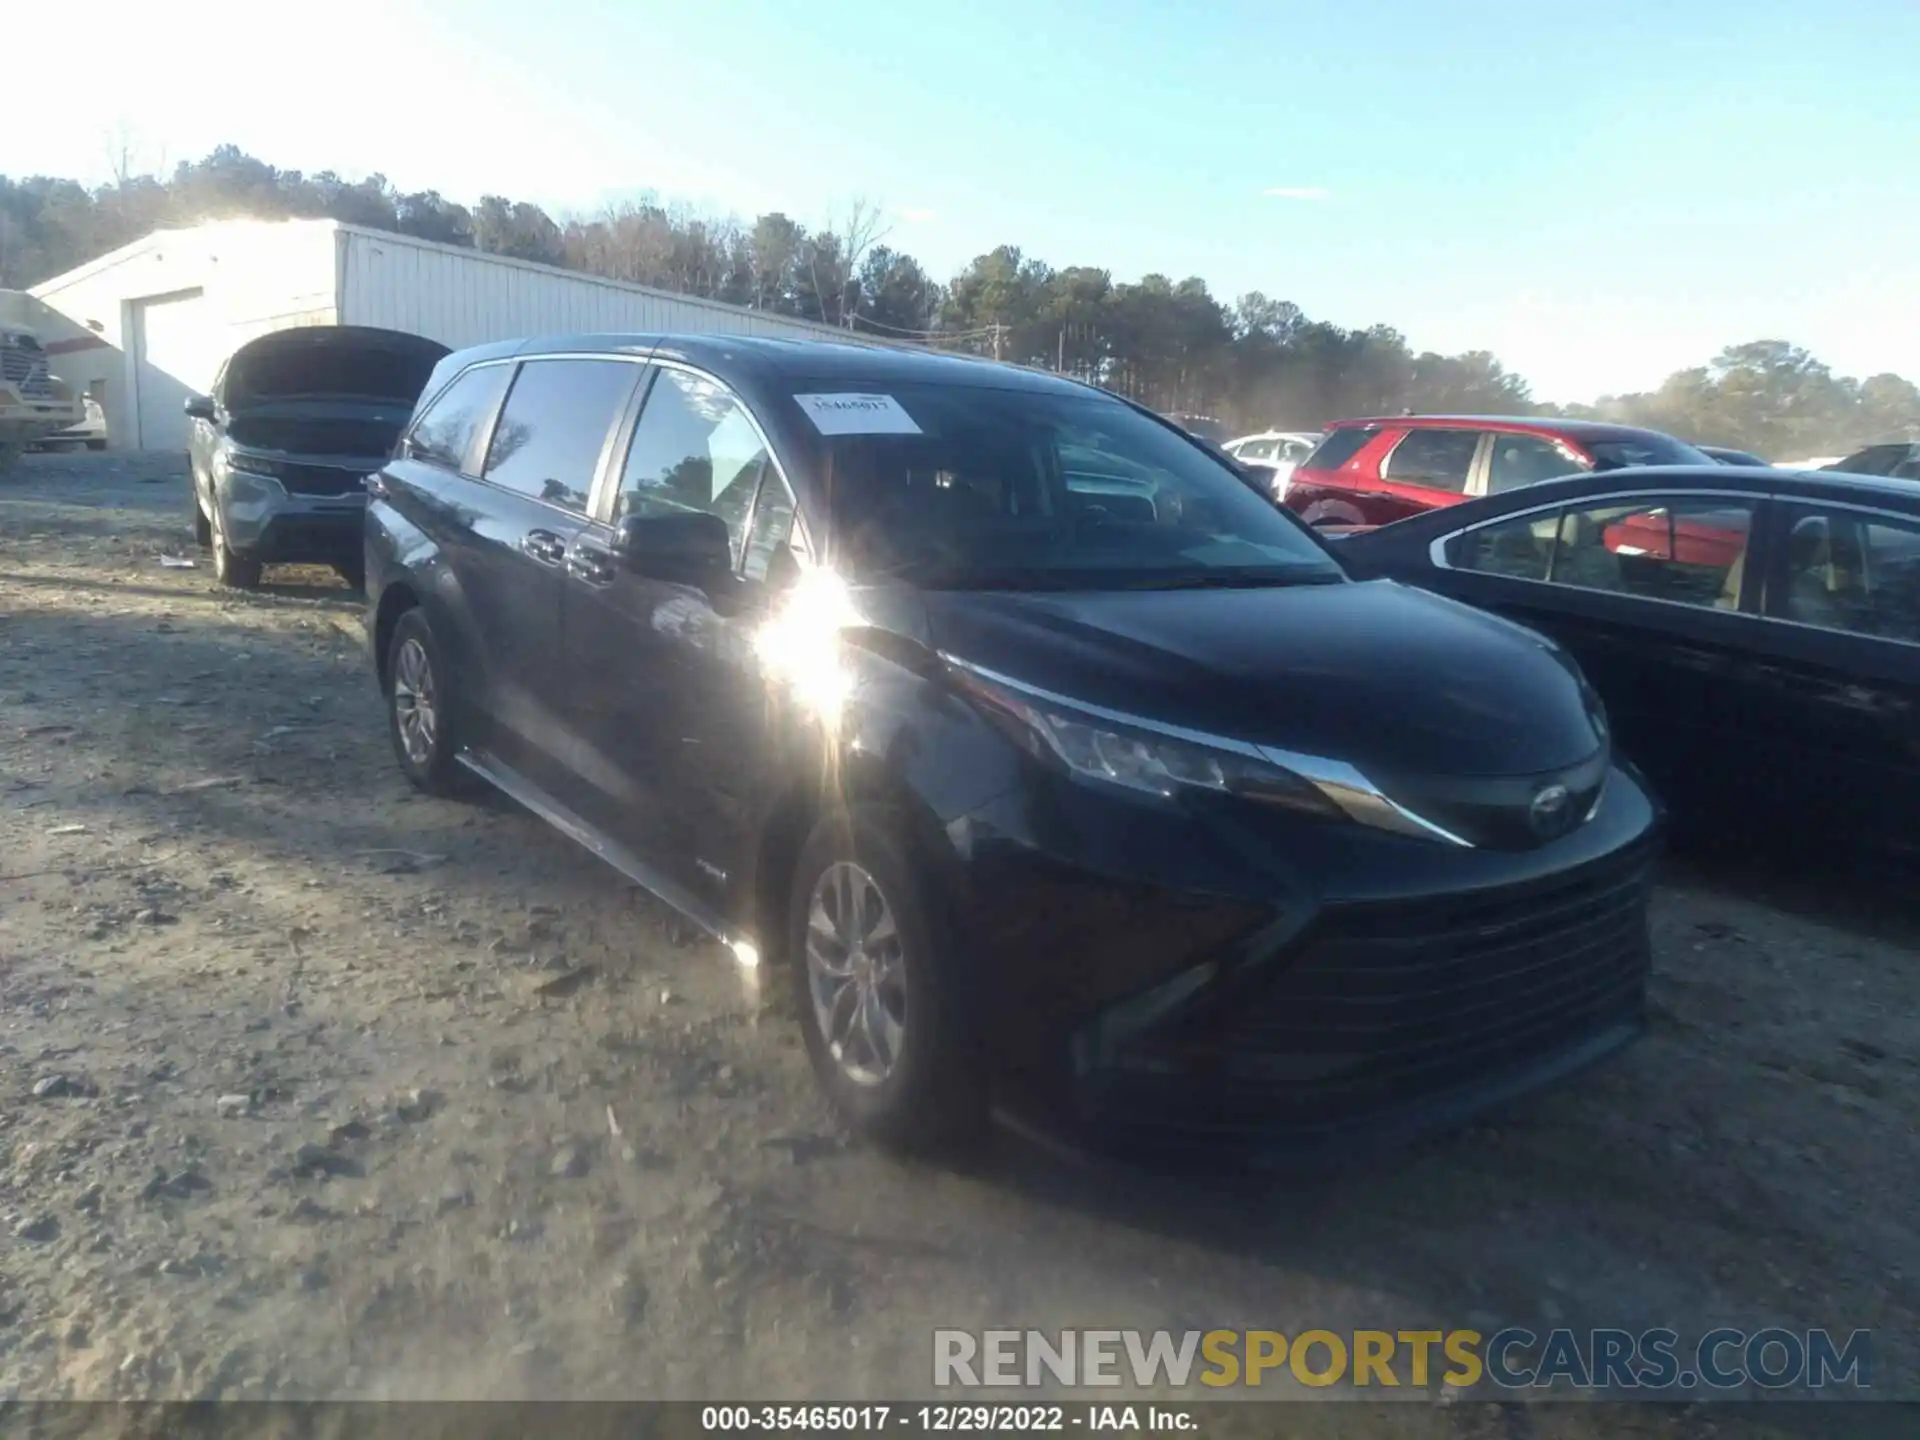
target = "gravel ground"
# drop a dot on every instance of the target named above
(320, 1089)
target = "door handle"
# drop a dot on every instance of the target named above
(590, 565)
(544, 546)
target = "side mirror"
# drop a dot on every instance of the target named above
(199, 407)
(693, 546)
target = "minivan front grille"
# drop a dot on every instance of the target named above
(1391, 1005)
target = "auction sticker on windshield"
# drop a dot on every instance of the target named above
(857, 415)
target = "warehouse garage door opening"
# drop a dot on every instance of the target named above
(172, 339)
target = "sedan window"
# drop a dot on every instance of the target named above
(1687, 551)
(1846, 572)
(1520, 548)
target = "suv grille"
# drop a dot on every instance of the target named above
(1390, 1005)
(23, 365)
(320, 479)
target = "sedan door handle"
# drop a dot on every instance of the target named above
(544, 546)
(590, 565)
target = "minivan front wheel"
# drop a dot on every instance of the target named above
(880, 1005)
(417, 710)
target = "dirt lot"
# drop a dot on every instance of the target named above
(320, 1089)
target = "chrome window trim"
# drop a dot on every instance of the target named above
(1344, 784)
(1436, 554)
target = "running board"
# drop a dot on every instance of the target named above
(522, 791)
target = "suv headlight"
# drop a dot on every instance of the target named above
(243, 484)
(1154, 760)
(240, 460)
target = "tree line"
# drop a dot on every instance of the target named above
(1254, 362)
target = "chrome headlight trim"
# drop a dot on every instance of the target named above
(1342, 783)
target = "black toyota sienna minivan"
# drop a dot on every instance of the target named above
(1060, 770)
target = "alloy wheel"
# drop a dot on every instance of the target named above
(856, 972)
(413, 701)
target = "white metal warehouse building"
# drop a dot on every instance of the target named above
(144, 327)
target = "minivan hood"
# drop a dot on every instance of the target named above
(1370, 672)
(350, 362)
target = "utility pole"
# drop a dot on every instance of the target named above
(999, 333)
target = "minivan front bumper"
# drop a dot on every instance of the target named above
(1284, 987)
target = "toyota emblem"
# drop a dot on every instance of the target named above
(1551, 811)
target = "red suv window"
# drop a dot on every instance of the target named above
(1339, 446)
(1436, 459)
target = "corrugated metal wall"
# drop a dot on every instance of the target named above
(462, 297)
(247, 277)
(252, 277)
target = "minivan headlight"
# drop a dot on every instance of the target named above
(1141, 760)
(1153, 760)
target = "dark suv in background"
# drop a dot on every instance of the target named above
(1373, 472)
(295, 421)
(1052, 760)
(1895, 460)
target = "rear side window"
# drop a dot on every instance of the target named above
(1437, 459)
(446, 433)
(1339, 447)
(555, 424)
(1851, 573)
(1524, 460)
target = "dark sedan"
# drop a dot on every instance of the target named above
(1721, 455)
(1052, 760)
(1754, 632)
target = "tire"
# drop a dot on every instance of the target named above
(415, 672)
(96, 444)
(237, 572)
(928, 1091)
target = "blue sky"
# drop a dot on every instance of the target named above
(1599, 193)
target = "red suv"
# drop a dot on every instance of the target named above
(1373, 472)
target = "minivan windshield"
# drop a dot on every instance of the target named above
(967, 487)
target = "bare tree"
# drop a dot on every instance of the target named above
(121, 142)
(833, 266)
